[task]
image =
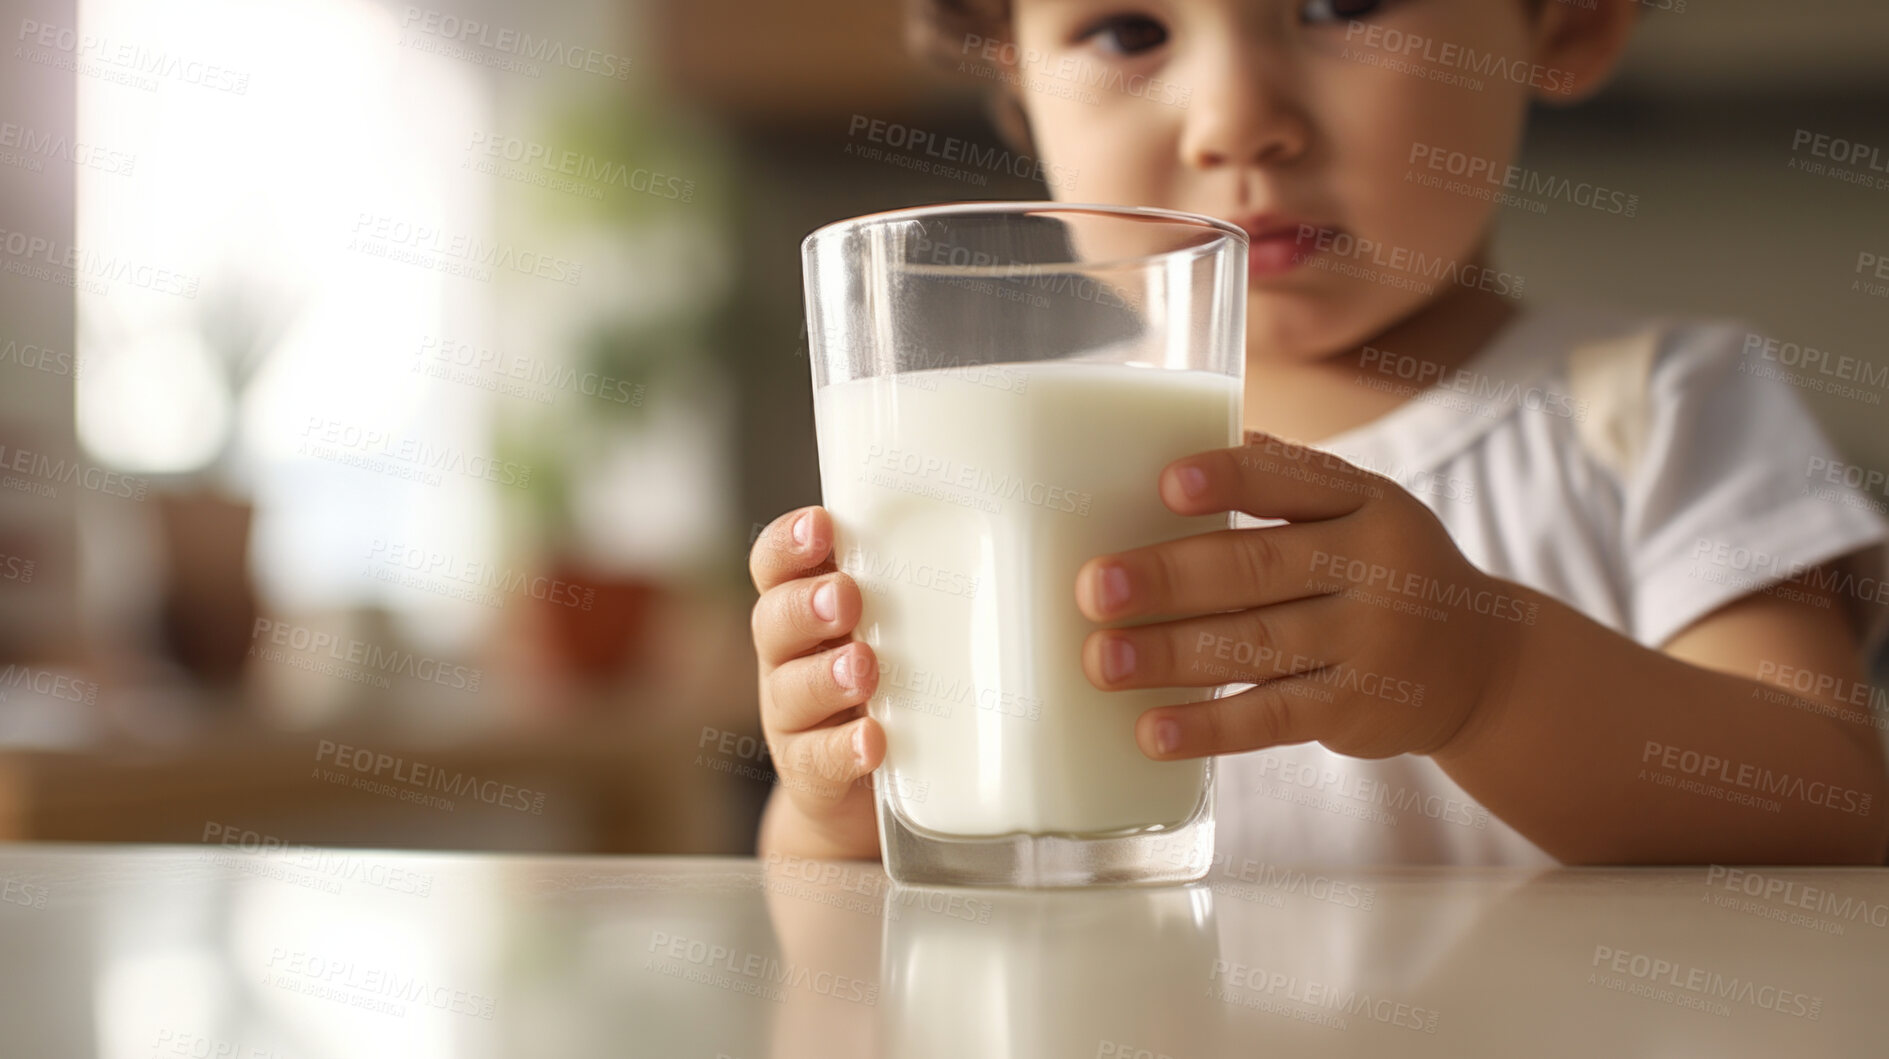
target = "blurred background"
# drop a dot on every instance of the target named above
(389, 394)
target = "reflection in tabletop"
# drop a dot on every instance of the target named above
(154, 951)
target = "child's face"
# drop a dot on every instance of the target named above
(1299, 123)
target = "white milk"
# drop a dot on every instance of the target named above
(964, 500)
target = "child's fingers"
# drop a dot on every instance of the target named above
(1261, 643)
(793, 618)
(825, 764)
(803, 692)
(1269, 478)
(1210, 572)
(791, 546)
(1277, 713)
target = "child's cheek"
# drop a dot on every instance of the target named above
(1106, 154)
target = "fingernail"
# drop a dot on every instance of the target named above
(1193, 481)
(1112, 587)
(803, 530)
(843, 670)
(1167, 736)
(826, 602)
(859, 743)
(1118, 659)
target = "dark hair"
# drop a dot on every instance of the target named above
(938, 31)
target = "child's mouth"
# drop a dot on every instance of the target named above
(1279, 245)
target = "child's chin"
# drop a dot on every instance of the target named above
(1300, 326)
(1263, 350)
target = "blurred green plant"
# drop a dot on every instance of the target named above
(655, 255)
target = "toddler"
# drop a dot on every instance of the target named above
(1531, 586)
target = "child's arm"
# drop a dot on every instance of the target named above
(1604, 751)
(1367, 630)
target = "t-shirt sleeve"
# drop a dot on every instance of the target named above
(1737, 489)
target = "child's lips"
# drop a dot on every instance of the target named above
(1273, 255)
(1279, 245)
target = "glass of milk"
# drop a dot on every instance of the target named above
(997, 387)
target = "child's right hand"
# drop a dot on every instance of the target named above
(814, 684)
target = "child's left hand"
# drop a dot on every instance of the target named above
(1362, 624)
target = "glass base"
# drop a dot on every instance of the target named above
(1180, 853)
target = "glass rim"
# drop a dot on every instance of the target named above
(1022, 207)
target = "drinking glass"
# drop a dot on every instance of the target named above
(997, 387)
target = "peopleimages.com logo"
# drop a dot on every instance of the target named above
(24, 147)
(124, 62)
(317, 650)
(1492, 180)
(48, 683)
(422, 776)
(1755, 779)
(1441, 55)
(583, 169)
(952, 149)
(1068, 76)
(507, 42)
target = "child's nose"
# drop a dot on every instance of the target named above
(1241, 113)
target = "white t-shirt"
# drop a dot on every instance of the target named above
(1724, 498)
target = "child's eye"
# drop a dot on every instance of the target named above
(1314, 11)
(1126, 34)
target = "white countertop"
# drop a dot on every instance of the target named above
(143, 951)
